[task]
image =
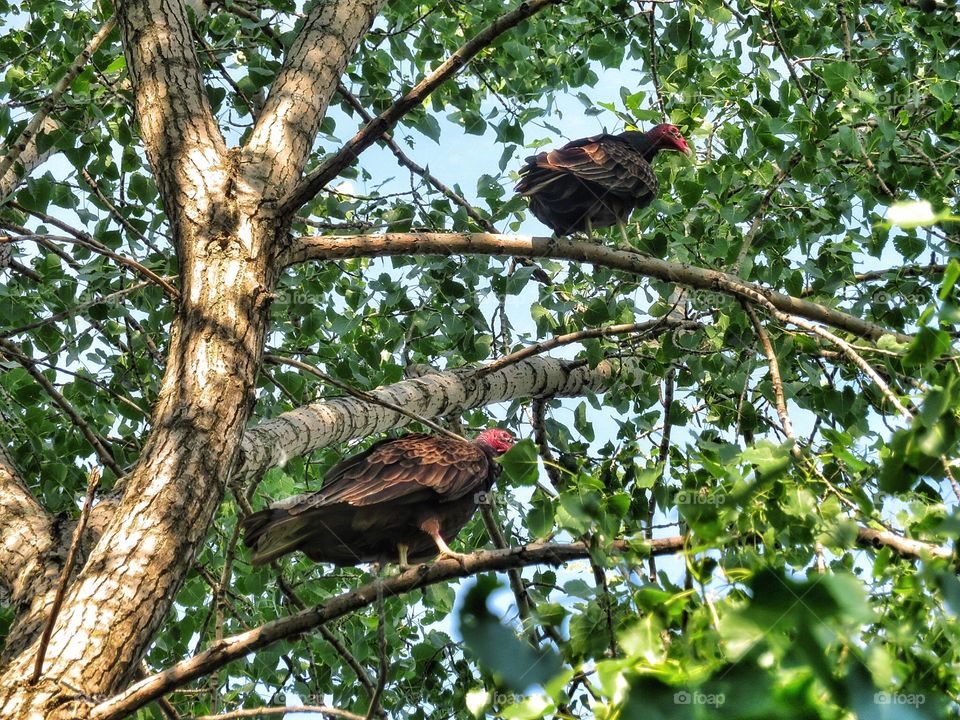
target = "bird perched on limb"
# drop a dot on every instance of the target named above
(597, 181)
(402, 499)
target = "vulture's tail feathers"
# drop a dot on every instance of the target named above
(272, 533)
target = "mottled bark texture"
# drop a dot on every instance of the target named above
(329, 422)
(227, 241)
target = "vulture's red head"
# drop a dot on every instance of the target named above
(668, 137)
(497, 440)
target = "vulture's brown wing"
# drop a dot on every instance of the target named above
(605, 160)
(412, 468)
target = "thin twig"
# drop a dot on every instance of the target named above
(774, 366)
(906, 271)
(166, 707)
(663, 461)
(844, 346)
(949, 473)
(543, 443)
(115, 212)
(517, 585)
(649, 327)
(788, 61)
(873, 168)
(762, 211)
(327, 634)
(93, 477)
(382, 649)
(96, 247)
(654, 64)
(102, 300)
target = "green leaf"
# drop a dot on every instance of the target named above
(515, 664)
(521, 463)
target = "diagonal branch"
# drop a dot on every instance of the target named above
(362, 395)
(237, 646)
(27, 363)
(92, 480)
(441, 187)
(374, 130)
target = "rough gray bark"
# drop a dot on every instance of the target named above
(227, 243)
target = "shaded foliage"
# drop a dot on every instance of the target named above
(809, 120)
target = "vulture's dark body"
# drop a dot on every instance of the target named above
(597, 181)
(377, 500)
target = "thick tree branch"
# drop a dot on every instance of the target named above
(27, 531)
(373, 131)
(350, 246)
(322, 424)
(237, 646)
(181, 137)
(360, 394)
(280, 143)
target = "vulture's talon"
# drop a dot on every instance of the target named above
(461, 558)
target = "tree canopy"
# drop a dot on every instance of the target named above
(240, 237)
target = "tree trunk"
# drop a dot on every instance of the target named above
(128, 584)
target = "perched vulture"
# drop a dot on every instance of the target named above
(596, 181)
(401, 499)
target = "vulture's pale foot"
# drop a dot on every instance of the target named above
(431, 527)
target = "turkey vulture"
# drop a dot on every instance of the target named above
(401, 498)
(596, 181)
